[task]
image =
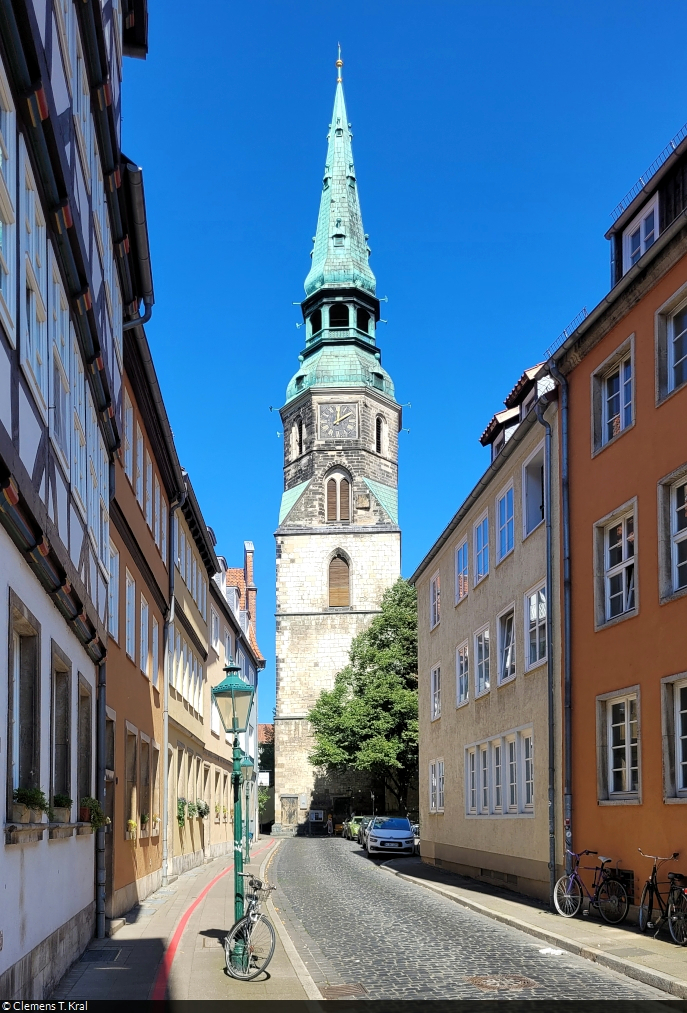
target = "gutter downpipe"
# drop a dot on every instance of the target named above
(567, 616)
(169, 619)
(100, 781)
(539, 410)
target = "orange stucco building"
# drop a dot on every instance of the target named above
(624, 371)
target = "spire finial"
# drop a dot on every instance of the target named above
(339, 64)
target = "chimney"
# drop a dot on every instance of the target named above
(251, 589)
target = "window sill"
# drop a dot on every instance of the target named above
(480, 580)
(506, 682)
(607, 623)
(609, 443)
(536, 665)
(675, 800)
(502, 559)
(463, 703)
(480, 696)
(28, 833)
(433, 628)
(437, 717)
(620, 801)
(673, 596)
(527, 534)
(662, 398)
(500, 816)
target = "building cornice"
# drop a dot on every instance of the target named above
(368, 529)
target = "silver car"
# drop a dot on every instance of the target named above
(390, 835)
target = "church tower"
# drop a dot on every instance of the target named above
(338, 540)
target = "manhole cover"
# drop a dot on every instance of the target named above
(501, 982)
(342, 991)
(100, 956)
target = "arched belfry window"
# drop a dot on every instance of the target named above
(339, 583)
(363, 320)
(316, 322)
(338, 315)
(299, 436)
(338, 490)
(380, 435)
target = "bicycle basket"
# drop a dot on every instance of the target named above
(260, 895)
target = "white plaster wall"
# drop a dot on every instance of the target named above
(45, 883)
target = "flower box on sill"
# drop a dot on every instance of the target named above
(131, 835)
(62, 814)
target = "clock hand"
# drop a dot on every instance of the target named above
(337, 419)
(344, 417)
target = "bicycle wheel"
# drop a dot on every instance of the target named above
(612, 901)
(677, 917)
(249, 947)
(646, 907)
(567, 896)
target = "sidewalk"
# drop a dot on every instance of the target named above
(167, 950)
(658, 962)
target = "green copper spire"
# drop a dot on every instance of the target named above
(340, 255)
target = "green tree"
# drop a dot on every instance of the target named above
(368, 721)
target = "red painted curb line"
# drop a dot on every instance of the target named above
(164, 970)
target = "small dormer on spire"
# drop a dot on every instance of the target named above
(340, 255)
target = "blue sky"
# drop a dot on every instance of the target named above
(492, 141)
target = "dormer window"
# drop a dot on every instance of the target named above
(316, 322)
(338, 315)
(498, 444)
(528, 403)
(640, 234)
(339, 239)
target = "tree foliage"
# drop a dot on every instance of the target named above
(368, 721)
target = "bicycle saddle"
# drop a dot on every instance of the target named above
(676, 875)
(603, 859)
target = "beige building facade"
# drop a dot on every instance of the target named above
(487, 664)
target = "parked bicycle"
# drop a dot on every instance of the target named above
(609, 895)
(249, 947)
(671, 909)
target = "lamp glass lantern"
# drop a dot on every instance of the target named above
(247, 767)
(234, 699)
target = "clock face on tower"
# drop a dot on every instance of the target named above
(338, 421)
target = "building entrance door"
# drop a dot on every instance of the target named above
(289, 810)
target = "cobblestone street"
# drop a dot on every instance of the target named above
(354, 924)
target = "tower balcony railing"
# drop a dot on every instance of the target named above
(340, 334)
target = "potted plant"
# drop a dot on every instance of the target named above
(155, 820)
(28, 805)
(218, 812)
(192, 810)
(203, 808)
(145, 819)
(62, 808)
(91, 811)
(131, 828)
(224, 813)
(181, 811)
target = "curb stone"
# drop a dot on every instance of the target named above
(646, 975)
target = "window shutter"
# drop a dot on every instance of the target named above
(331, 500)
(338, 583)
(344, 500)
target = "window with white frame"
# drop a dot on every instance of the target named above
(65, 19)
(535, 619)
(33, 284)
(113, 595)
(482, 662)
(472, 781)
(433, 787)
(640, 234)
(435, 691)
(505, 521)
(680, 719)
(182, 553)
(619, 566)
(434, 601)
(499, 775)
(214, 626)
(481, 548)
(156, 511)
(462, 571)
(148, 502)
(163, 530)
(8, 163)
(484, 779)
(130, 616)
(462, 674)
(227, 647)
(144, 658)
(82, 109)
(533, 491)
(78, 426)
(128, 438)
(60, 344)
(678, 523)
(139, 466)
(93, 472)
(677, 349)
(506, 635)
(623, 745)
(617, 399)
(103, 503)
(155, 650)
(440, 785)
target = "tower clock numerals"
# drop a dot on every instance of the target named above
(338, 421)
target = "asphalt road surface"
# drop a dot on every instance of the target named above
(354, 924)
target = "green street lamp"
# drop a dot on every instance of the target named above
(234, 698)
(247, 767)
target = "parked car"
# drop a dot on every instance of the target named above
(364, 821)
(352, 827)
(390, 835)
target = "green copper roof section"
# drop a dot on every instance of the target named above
(385, 496)
(290, 498)
(340, 256)
(341, 365)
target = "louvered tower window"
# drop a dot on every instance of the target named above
(338, 498)
(339, 590)
(379, 435)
